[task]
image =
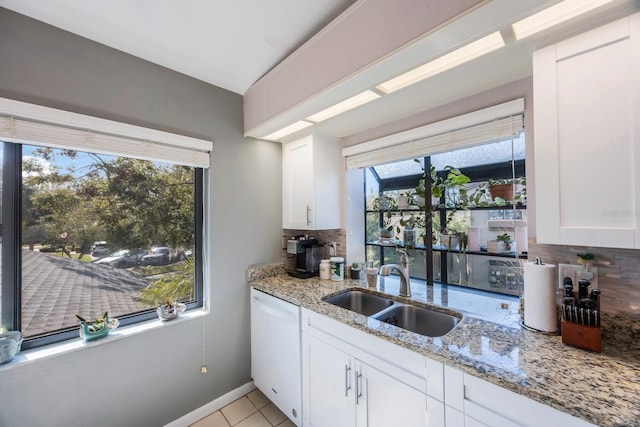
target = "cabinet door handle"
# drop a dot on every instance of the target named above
(358, 387)
(347, 380)
(308, 215)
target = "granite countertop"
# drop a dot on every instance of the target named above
(489, 343)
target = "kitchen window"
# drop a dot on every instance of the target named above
(117, 229)
(452, 261)
(466, 235)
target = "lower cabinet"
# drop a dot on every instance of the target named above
(323, 373)
(341, 389)
(328, 392)
(488, 405)
(384, 401)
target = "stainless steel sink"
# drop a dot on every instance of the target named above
(420, 320)
(360, 302)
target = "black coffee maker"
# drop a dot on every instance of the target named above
(308, 254)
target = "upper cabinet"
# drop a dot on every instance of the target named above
(587, 138)
(311, 183)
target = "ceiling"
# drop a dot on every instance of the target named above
(228, 43)
(232, 44)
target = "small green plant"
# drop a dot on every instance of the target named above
(384, 203)
(586, 259)
(506, 239)
(177, 286)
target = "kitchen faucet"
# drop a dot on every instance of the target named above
(403, 270)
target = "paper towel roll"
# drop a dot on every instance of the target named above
(540, 296)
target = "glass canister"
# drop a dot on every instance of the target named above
(337, 268)
(325, 269)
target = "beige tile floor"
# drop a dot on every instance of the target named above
(251, 410)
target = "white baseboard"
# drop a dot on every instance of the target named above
(212, 406)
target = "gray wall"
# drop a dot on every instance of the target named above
(151, 378)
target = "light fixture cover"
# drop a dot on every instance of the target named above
(452, 59)
(554, 15)
(288, 130)
(346, 105)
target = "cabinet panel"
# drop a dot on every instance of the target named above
(495, 406)
(454, 418)
(298, 184)
(387, 402)
(470, 422)
(595, 134)
(328, 385)
(312, 170)
(587, 106)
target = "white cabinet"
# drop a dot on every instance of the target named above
(311, 183)
(587, 138)
(488, 405)
(328, 385)
(384, 401)
(349, 386)
(275, 352)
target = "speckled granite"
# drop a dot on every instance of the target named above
(263, 271)
(489, 343)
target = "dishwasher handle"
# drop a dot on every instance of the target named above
(274, 311)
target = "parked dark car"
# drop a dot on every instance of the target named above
(123, 258)
(159, 256)
(99, 249)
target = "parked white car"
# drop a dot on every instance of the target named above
(123, 258)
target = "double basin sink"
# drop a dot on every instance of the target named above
(420, 320)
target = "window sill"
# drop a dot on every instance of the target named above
(28, 356)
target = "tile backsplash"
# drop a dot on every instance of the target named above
(618, 274)
(324, 237)
(618, 269)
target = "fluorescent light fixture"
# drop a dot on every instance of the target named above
(452, 59)
(346, 105)
(554, 15)
(288, 130)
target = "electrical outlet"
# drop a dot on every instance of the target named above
(577, 272)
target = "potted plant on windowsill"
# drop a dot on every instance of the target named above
(406, 199)
(387, 205)
(505, 189)
(454, 234)
(451, 186)
(500, 245)
(355, 270)
(500, 192)
(410, 227)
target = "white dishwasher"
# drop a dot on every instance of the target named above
(275, 352)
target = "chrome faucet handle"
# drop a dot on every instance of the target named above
(404, 257)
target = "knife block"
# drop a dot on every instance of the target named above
(585, 337)
(582, 336)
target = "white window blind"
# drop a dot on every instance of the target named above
(36, 125)
(475, 129)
